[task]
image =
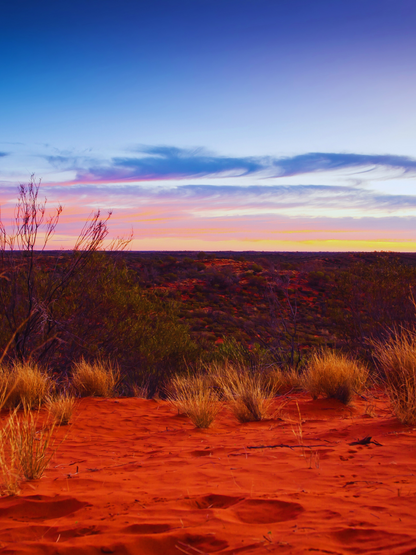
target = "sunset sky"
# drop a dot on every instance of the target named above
(286, 125)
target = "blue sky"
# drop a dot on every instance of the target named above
(249, 124)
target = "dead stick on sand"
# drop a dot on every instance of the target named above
(366, 441)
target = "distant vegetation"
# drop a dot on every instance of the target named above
(96, 322)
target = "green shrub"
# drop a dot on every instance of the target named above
(110, 316)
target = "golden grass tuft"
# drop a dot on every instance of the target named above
(397, 359)
(24, 384)
(249, 393)
(26, 449)
(141, 391)
(98, 379)
(195, 397)
(61, 408)
(283, 381)
(334, 375)
(10, 478)
(3, 394)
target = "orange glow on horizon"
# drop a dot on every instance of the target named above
(180, 223)
(199, 244)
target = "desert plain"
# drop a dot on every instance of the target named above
(132, 476)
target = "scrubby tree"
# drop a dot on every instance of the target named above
(31, 285)
(59, 307)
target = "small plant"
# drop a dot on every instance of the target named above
(249, 393)
(141, 391)
(9, 473)
(24, 384)
(284, 380)
(397, 358)
(334, 375)
(61, 409)
(3, 393)
(25, 450)
(195, 397)
(314, 459)
(98, 379)
(298, 431)
(370, 410)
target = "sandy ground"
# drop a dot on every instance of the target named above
(133, 477)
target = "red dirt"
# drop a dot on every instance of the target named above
(132, 477)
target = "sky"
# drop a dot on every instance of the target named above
(266, 125)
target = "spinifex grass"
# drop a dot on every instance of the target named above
(298, 431)
(249, 393)
(26, 447)
(98, 379)
(285, 380)
(30, 442)
(334, 375)
(195, 397)
(61, 408)
(397, 358)
(25, 384)
(141, 391)
(9, 475)
(9, 469)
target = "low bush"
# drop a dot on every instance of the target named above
(397, 359)
(196, 397)
(97, 379)
(334, 375)
(114, 319)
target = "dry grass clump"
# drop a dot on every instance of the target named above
(249, 393)
(24, 384)
(334, 375)
(283, 381)
(25, 450)
(397, 358)
(195, 397)
(141, 391)
(3, 394)
(61, 408)
(30, 443)
(9, 472)
(98, 379)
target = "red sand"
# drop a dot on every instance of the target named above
(132, 477)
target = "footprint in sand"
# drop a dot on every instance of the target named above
(250, 511)
(39, 507)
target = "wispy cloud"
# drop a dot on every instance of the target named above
(236, 217)
(171, 163)
(170, 197)
(201, 199)
(167, 162)
(329, 161)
